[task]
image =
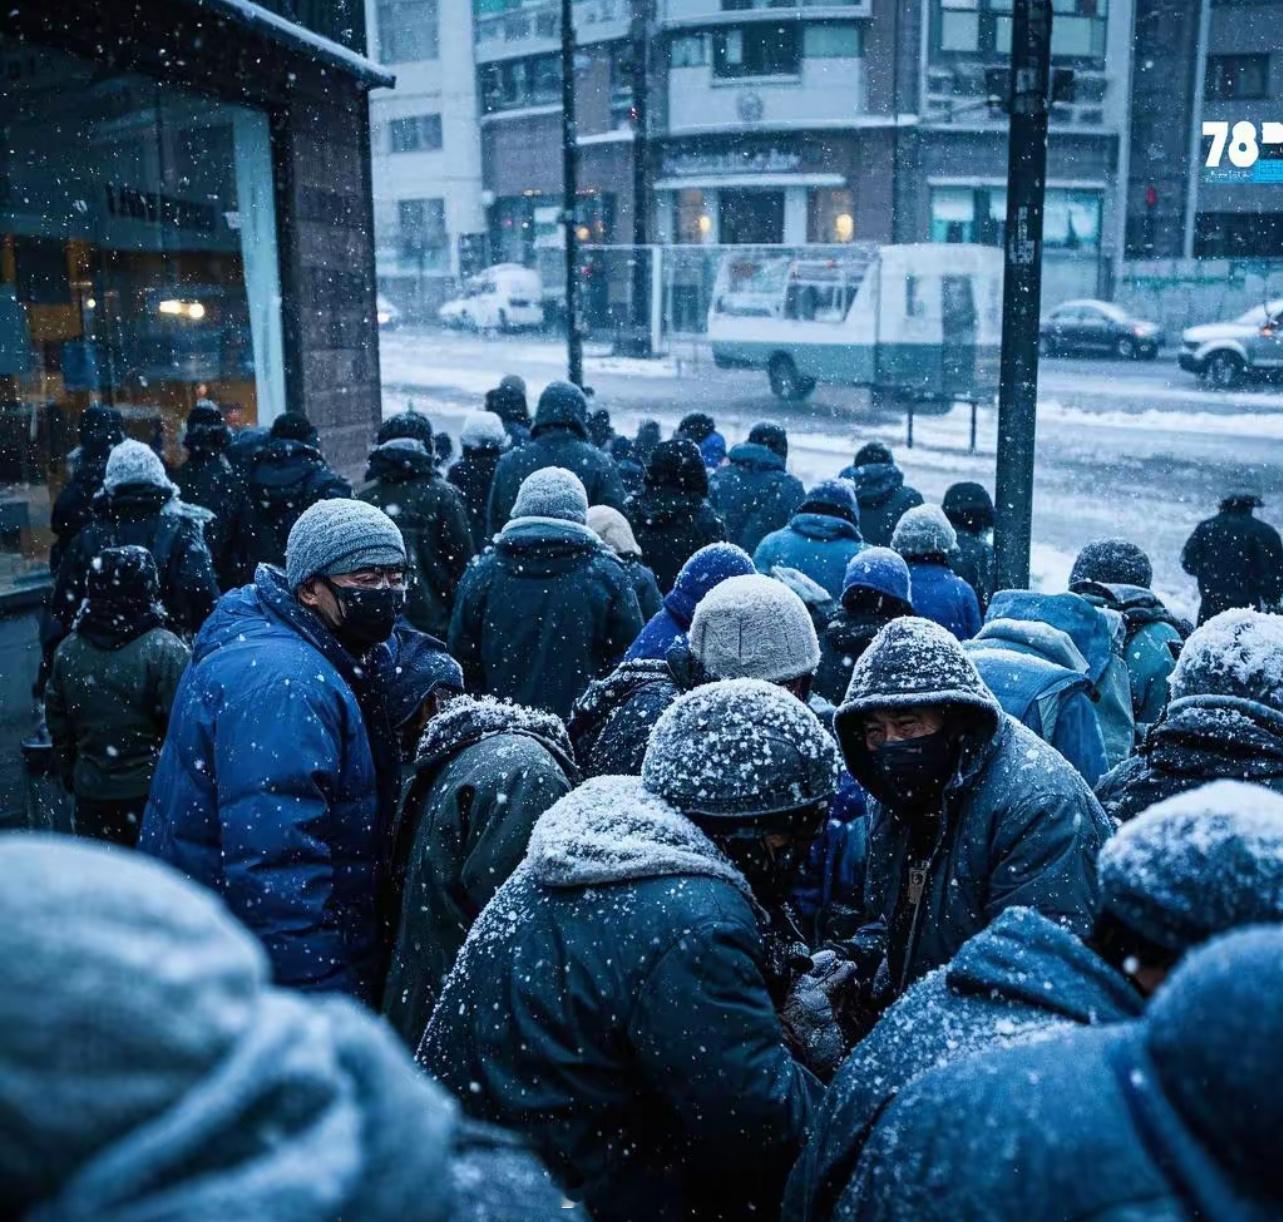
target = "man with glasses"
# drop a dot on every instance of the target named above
(277, 784)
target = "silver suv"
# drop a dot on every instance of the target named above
(1225, 354)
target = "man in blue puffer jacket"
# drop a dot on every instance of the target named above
(926, 540)
(820, 539)
(277, 783)
(754, 493)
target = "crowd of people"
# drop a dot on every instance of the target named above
(615, 827)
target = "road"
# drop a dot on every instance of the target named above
(1130, 448)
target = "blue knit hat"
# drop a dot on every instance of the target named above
(708, 567)
(881, 571)
(340, 536)
(835, 497)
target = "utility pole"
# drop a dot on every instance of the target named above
(639, 32)
(1022, 290)
(570, 189)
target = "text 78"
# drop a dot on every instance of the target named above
(1241, 139)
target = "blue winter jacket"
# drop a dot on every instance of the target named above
(754, 494)
(939, 594)
(1021, 977)
(1040, 678)
(817, 544)
(828, 897)
(269, 791)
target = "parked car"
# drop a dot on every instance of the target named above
(1091, 328)
(386, 314)
(505, 297)
(1225, 354)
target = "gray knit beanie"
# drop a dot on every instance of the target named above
(552, 492)
(483, 431)
(340, 536)
(754, 627)
(131, 462)
(924, 531)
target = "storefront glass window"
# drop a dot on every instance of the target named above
(830, 215)
(1071, 218)
(693, 220)
(138, 269)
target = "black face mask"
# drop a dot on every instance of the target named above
(773, 872)
(367, 617)
(913, 774)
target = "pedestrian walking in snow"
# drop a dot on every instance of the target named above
(632, 476)
(1184, 872)
(100, 430)
(926, 540)
(548, 608)
(1236, 559)
(559, 438)
(969, 508)
(1225, 719)
(403, 481)
(970, 813)
(820, 538)
(209, 480)
(277, 784)
(671, 517)
(701, 428)
(483, 440)
(612, 528)
(884, 496)
(754, 493)
(616, 1001)
(484, 772)
(508, 402)
(110, 692)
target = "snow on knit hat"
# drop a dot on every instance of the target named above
(552, 492)
(340, 536)
(131, 462)
(754, 627)
(1112, 562)
(1235, 654)
(1199, 864)
(614, 530)
(706, 569)
(922, 532)
(483, 431)
(881, 571)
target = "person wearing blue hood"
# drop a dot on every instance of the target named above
(701, 428)
(820, 538)
(883, 494)
(708, 567)
(1181, 874)
(876, 589)
(1173, 1116)
(924, 537)
(150, 1068)
(754, 492)
(559, 438)
(277, 784)
(549, 607)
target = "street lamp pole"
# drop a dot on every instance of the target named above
(570, 188)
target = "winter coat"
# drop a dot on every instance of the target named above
(939, 594)
(1021, 978)
(1152, 632)
(754, 494)
(208, 479)
(1200, 739)
(73, 509)
(148, 516)
(972, 560)
(1172, 1116)
(671, 526)
(558, 445)
(286, 478)
(472, 475)
(817, 544)
(276, 786)
(1099, 634)
(1040, 679)
(434, 525)
(649, 600)
(108, 710)
(542, 613)
(842, 642)
(1237, 560)
(484, 774)
(612, 1004)
(1019, 826)
(884, 497)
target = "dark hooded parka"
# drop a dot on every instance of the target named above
(559, 438)
(884, 496)
(1016, 826)
(1236, 558)
(484, 773)
(100, 429)
(754, 493)
(209, 480)
(1021, 977)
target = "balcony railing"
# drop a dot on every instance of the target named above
(541, 21)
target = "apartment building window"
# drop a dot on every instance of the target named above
(1237, 78)
(983, 27)
(830, 215)
(423, 241)
(833, 40)
(1071, 218)
(415, 134)
(516, 83)
(688, 51)
(407, 30)
(1238, 235)
(762, 49)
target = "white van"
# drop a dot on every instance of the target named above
(505, 297)
(920, 322)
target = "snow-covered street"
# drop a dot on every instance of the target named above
(1138, 449)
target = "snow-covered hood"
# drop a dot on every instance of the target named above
(471, 719)
(1209, 331)
(823, 527)
(612, 830)
(756, 457)
(1030, 637)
